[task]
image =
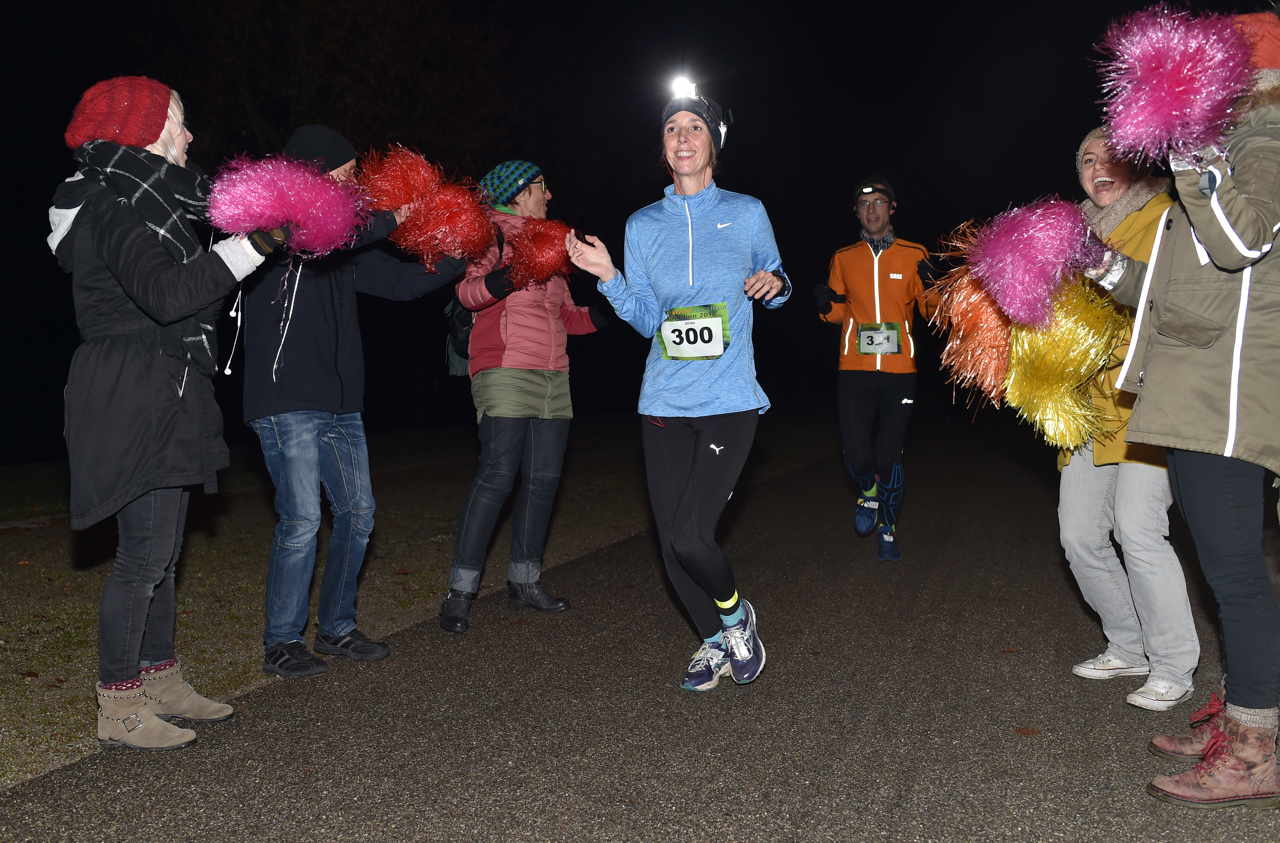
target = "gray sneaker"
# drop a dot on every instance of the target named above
(292, 660)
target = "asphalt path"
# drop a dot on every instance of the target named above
(930, 699)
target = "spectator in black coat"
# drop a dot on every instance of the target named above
(141, 420)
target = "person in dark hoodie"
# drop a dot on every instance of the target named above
(303, 396)
(141, 421)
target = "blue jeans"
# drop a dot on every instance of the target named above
(1221, 499)
(303, 450)
(534, 447)
(135, 614)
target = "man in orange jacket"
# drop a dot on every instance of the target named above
(873, 290)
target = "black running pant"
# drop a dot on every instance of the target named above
(692, 465)
(861, 395)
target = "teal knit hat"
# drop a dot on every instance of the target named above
(505, 181)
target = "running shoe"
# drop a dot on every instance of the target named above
(708, 665)
(888, 539)
(865, 512)
(745, 649)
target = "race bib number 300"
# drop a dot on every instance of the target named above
(698, 332)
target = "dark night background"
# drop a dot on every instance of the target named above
(966, 108)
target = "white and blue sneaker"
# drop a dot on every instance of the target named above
(708, 665)
(745, 649)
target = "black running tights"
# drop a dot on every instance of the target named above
(863, 394)
(692, 465)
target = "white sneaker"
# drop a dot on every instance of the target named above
(1158, 695)
(1107, 666)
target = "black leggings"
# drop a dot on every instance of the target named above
(692, 465)
(861, 395)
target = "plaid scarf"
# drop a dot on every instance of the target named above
(165, 195)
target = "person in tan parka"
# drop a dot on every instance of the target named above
(1205, 365)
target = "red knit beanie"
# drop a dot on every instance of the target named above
(128, 110)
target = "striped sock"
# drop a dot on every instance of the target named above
(730, 611)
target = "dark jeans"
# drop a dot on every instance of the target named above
(534, 447)
(135, 615)
(1221, 500)
(692, 465)
(304, 450)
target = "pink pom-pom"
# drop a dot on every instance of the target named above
(1171, 81)
(1025, 254)
(538, 252)
(323, 213)
(452, 222)
(397, 178)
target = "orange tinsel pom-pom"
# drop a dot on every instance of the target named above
(977, 351)
(397, 178)
(538, 252)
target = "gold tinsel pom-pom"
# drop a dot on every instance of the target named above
(977, 349)
(1051, 370)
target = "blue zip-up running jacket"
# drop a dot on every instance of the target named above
(696, 250)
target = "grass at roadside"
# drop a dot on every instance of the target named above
(52, 577)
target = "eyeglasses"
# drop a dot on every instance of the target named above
(867, 203)
(542, 183)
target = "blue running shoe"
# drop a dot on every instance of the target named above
(745, 649)
(708, 665)
(889, 551)
(865, 512)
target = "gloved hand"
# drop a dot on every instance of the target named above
(265, 242)
(498, 284)
(599, 313)
(1108, 275)
(825, 297)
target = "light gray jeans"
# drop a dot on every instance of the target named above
(1143, 603)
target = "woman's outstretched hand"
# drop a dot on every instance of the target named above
(590, 255)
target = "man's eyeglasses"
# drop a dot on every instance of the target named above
(878, 202)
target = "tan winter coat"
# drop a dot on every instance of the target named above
(1205, 363)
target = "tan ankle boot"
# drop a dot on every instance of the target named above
(125, 719)
(1191, 747)
(169, 696)
(1239, 768)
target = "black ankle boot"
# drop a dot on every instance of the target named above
(533, 595)
(455, 610)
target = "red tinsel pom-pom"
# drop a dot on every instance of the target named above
(452, 222)
(538, 252)
(398, 177)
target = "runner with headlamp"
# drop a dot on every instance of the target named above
(696, 261)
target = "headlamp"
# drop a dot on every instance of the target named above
(684, 89)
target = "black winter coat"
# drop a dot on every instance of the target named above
(302, 329)
(140, 411)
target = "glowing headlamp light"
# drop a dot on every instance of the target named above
(682, 88)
